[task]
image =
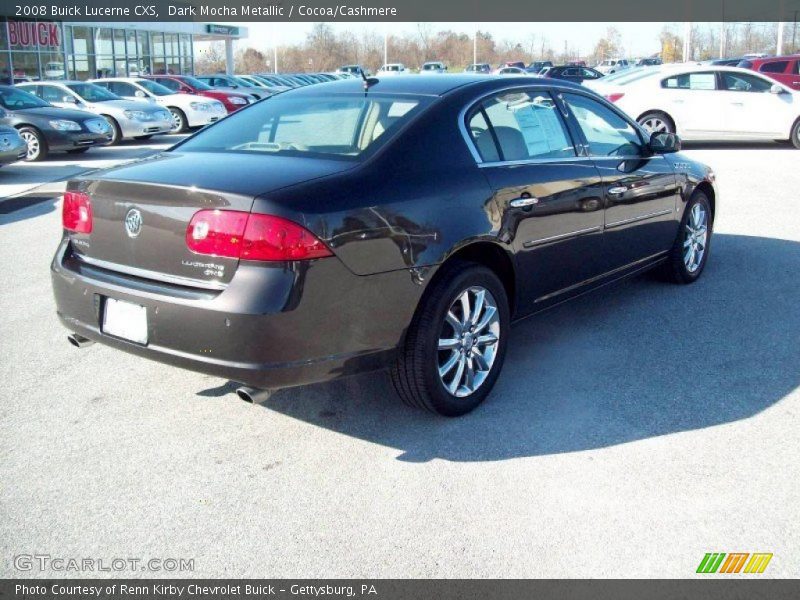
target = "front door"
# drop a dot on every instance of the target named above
(752, 110)
(640, 189)
(549, 197)
(693, 99)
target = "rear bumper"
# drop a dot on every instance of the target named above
(272, 327)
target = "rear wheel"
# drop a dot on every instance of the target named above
(795, 139)
(456, 344)
(657, 122)
(37, 145)
(179, 121)
(689, 253)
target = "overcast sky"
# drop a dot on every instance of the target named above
(637, 38)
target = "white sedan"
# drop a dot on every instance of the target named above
(186, 110)
(703, 102)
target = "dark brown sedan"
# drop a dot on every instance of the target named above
(401, 224)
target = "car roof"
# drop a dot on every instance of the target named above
(431, 86)
(768, 59)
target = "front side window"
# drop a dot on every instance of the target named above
(170, 84)
(607, 132)
(743, 82)
(523, 126)
(336, 126)
(92, 93)
(779, 66)
(691, 81)
(154, 88)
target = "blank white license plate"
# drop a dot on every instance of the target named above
(125, 320)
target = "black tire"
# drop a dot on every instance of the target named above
(415, 374)
(676, 269)
(795, 137)
(143, 137)
(32, 136)
(180, 120)
(78, 150)
(662, 117)
(116, 132)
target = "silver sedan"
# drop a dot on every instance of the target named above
(128, 118)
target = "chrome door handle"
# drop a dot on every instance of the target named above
(617, 190)
(522, 202)
(737, 103)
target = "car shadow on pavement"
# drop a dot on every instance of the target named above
(638, 360)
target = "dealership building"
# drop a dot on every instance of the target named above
(33, 50)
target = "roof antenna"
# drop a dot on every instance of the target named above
(368, 81)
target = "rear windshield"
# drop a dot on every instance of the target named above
(336, 126)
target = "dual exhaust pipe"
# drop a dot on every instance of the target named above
(248, 394)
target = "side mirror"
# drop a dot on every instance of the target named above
(140, 94)
(664, 143)
(776, 89)
(69, 99)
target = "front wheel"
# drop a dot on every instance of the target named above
(37, 145)
(179, 122)
(456, 344)
(116, 132)
(689, 253)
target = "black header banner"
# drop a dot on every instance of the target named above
(405, 10)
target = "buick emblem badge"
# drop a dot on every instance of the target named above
(133, 223)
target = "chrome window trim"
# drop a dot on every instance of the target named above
(151, 275)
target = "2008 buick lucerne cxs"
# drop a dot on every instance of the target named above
(400, 223)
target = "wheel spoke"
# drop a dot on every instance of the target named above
(488, 315)
(453, 321)
(488, 339)
(465, 309)
(456, 382)
(448, 366)
(476, 312)
(480, 360)
(470, 375)
(448, 343)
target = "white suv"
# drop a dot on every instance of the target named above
(613, 65)
(186, 110)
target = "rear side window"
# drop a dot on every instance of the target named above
(169, 83)
(742, 82)
(779, 66)
(691, 81)
(607, 132)
(524, 126)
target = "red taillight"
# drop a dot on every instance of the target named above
(251, 237)
(614, 97)
(76, 213)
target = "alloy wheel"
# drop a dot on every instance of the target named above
(33, 144)
(177, 121)
(695, 238)
(655, 125)
(468, 341)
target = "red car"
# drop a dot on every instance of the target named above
(183, 84)
(785, 69)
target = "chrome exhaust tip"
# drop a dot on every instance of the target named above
(253, 395)
(79, 341)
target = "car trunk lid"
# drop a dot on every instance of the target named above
(141, 211)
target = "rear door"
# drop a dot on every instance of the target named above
(695, 102)
(550, 198)
(640, 192)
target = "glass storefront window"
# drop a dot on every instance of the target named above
(171, 44)
(52, 65)
(187, 68)
(130, 45)
(26, 66)
(119, 43)
(159, 66)
(105, 66)
(103, 43)
(4, 36)
(5, 69)
(84, 67)
(186, 45)
(82, 41)
(143, 39)
(158, 44)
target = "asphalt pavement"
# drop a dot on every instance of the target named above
(631, 431)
